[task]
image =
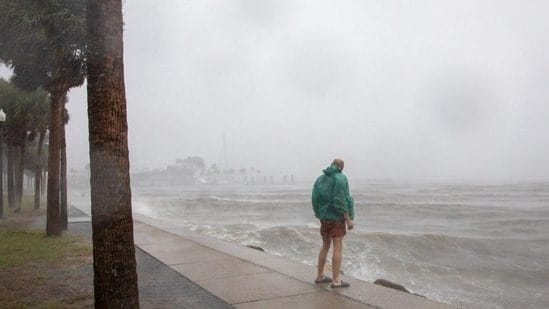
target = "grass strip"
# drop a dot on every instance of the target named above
(19, 247)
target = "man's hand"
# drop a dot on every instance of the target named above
(348, 221)
(350, 225)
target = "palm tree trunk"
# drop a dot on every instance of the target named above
(115, 276)
(1, 170)
(9, 176)
(63, 180)
(38, 170)
(19, 176)
(16, 187)
(43, 181)
(53, 218)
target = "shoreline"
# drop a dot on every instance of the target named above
(245, 277)
(148, 231)
(175, 246)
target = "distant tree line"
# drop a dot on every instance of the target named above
(184, 171)
(193, 170)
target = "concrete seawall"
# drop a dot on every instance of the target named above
(248, 278)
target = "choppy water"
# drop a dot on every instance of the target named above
(469, 245)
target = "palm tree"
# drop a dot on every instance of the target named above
(40, 116)
(20, 106)
(10, 98)
(115, 277)
(44, 43)
(63, 173)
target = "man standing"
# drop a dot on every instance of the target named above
(333, 206)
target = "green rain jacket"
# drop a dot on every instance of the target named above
(331, 197)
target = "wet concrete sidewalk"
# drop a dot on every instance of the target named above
(159, 285)
(248, 278)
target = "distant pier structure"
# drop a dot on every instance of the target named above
(268, 179)
(285, 179)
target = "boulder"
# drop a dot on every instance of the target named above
(390, 284)
(256, 248)
(393, 285)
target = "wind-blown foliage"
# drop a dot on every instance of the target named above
(26, 111)
(44, 42)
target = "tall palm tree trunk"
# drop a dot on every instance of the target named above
(115, 276)
(9, 176)
(19, 176)
(16, 187)
(63, 180)
(53, 218)
(38, 170)
(44, 181)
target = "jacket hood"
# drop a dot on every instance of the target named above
(332, 169)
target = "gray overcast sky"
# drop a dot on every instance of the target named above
(414, 90)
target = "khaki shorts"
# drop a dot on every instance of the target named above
(333, 229)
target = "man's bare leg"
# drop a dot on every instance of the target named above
(336, 260)
(326, 241)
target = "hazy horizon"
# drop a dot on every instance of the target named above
(430, 91)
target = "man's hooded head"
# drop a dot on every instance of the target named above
(339, 163)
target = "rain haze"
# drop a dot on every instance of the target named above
(440, 110)
(430, 90)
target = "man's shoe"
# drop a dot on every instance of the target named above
(342, 285)
(326, 279)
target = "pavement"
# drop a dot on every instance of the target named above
(159, 285)
(178, 268)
